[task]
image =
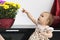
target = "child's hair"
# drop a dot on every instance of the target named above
(50, 18)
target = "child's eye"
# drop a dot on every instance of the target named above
(42, 16)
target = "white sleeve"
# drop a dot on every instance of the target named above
(51, 29)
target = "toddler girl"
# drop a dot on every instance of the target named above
(42, 31)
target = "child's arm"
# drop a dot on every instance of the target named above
(1, 38)
(48, 34)
(30, 16)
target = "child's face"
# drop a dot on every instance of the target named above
(43, 18)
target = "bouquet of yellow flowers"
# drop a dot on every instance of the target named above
(8, 9)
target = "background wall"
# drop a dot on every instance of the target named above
(35, 7)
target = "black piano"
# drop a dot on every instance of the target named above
(23, 34)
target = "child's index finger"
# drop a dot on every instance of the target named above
(22, 9)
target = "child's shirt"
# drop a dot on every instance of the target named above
(41, 28)
(37, 36)
(44, 28)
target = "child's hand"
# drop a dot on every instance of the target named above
(24, 11)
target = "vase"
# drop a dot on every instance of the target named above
(6, 23)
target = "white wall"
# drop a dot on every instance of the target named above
(35, 7)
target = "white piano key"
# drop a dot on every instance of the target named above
(12, 30)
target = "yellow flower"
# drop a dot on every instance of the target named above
(6, 6)
(1, 5)
(14, 5)
(6, 2)
(11, 3)
(18, 5)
